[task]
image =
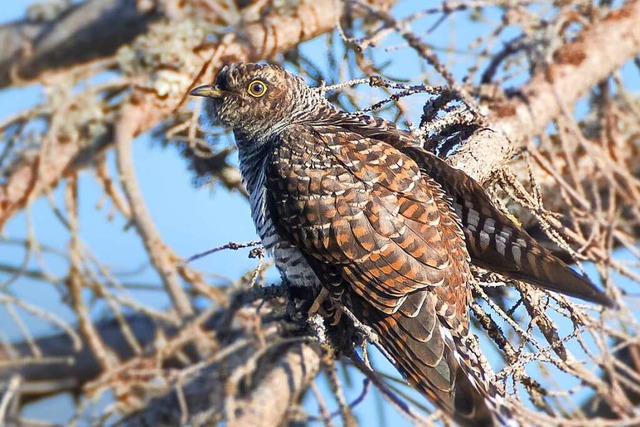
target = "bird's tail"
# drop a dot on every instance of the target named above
(496, 243)
(481, 378)
(423, 350)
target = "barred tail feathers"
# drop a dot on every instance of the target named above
(480, 376)
(496, 243)
(432, 361)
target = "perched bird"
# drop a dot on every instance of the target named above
(353, 205)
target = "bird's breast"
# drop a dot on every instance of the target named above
(288, 258)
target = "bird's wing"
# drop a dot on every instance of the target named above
(496, 243)
(493, 240)
(363, 212)
(364, 206)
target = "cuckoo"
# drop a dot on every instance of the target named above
(353, 205)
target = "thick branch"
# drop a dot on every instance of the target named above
(206, 399)
(67, 364)
(86, 31)
(255, 41)
(288, 379)
(600, 50)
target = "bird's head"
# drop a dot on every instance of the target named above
(256, 100)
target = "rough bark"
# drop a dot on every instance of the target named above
(576, 67)
(511, 125)
(84, 32)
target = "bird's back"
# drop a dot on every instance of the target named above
(353, 204)
(383, 238)
(494, 241)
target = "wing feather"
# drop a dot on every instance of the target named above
(371, 218)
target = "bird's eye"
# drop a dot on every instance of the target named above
(257, 88)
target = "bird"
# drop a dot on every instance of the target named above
(353, 206)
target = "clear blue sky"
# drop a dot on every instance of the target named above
(190, 219)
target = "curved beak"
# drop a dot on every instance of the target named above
(210, 91)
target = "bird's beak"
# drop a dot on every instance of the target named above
(210, 91)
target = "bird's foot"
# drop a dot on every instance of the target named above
(325, 306)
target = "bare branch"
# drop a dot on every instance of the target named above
(599, 51)
(65, 367)
(86, 31)
(160, 256)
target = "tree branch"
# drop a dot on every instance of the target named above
(279, 387)
(289, 377)
(599, 51)
(156, 248)
(254, 41)
(86, 31)
(66, 364)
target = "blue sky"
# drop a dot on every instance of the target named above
(190, 219)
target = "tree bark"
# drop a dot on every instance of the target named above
(84, 32)
(576, 67)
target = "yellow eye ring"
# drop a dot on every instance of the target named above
(257, 88)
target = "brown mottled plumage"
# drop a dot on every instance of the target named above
(353, 204)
